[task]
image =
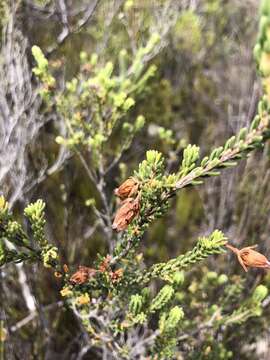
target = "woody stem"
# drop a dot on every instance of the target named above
(232, 248)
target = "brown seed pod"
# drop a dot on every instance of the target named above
(126, 213)
(127, 189)
(248, 257)
(65, 268)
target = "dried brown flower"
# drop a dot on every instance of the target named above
(105, 263)
(82, 275)
(127, 189)
(126, 213)
(116, 275)
(248, 257)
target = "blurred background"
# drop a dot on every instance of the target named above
(205, 90)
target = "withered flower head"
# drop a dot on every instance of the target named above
(82, 275)
(105, 263)
(126, 213)
(127, 189)
(116, 275)
(248, 257)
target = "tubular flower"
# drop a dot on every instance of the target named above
(127, 189)
(126, 213)
(248, 257)
(82, 275)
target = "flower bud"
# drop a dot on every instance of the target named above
(260, 293)
(66, 291)
(83, 299)
(128, 188)
(222, 279)
(126, 213)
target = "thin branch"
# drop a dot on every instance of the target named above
(33, 315)
(67, 30)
